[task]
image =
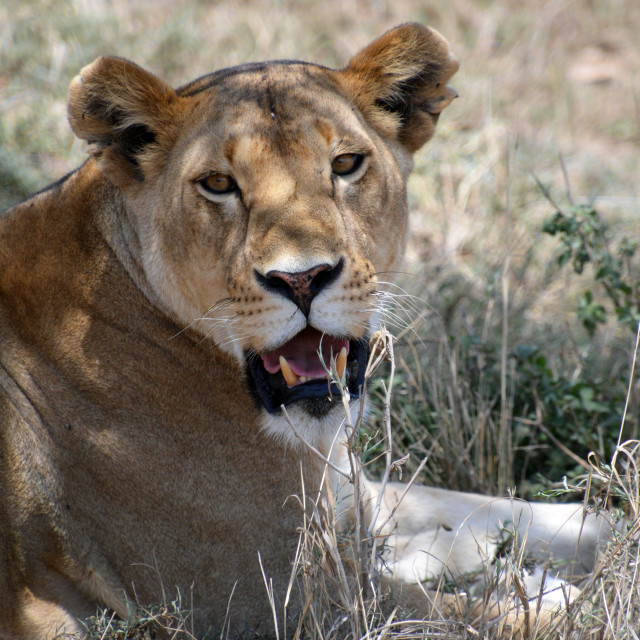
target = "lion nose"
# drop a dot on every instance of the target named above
(302, 286)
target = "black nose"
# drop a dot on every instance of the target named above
(302, 286)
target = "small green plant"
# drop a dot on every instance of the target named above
(584, 240)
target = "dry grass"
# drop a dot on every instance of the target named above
(549, 88)
(330, 563)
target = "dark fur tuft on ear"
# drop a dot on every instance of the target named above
(119, 108)
(399, 83)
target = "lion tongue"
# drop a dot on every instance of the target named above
(298, 359)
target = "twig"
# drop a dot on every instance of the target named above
(574, 456)
(414, 477)
(269, 586)
(630, 386)
(386, 339)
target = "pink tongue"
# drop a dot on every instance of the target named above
(301, 352)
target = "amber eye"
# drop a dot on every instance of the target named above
(346, 163)
(219, 183)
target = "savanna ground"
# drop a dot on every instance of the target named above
(515, 346)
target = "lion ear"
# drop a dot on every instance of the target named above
(120, 109)
(399, 83)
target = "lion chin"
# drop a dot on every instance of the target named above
(187, 307)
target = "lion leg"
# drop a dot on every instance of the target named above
(436, 530)
(41, 619)
(515, 620)
(426, 603)
(51, 603)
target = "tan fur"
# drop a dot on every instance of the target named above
(134, 460)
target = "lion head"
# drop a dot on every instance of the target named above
(264, 201)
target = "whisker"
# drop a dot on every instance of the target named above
(415, 302)
(214, 308)
(223, 302)
(408, 306)
(404, 294)
(394, 302)
(219, 321)
(233, 339)
(395, 273)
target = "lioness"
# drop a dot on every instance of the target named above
(161, 303)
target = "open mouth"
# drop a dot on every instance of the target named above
(294, 371)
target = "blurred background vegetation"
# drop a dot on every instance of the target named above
(518, 326)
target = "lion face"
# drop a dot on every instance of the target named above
(292, 194)
(267, 201)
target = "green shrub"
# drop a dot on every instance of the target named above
(584, 240)
(489, 417)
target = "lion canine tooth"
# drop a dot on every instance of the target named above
(289, 377)
(341, 362)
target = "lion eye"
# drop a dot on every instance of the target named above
(218, 183)
(346, 163)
